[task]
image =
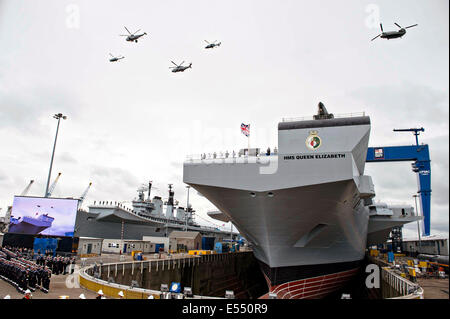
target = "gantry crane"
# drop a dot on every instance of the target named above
(420, 156)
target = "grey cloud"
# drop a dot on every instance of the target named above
(67, 158)
(21, 107)
(420, 103)
(115, 174)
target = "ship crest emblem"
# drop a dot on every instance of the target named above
(313, 141)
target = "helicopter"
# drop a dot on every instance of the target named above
(180, 67)
(212, 45)
(115, 58)
(393, 34)
(133, 36)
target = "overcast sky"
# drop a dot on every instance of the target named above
(134, 121)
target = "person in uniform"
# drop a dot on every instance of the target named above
(46, 280)
(39, 277)
(28, 294)
(100, 295)
(121, 296)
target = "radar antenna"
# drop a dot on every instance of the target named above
(322, 113)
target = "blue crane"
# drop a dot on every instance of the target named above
(420, 156)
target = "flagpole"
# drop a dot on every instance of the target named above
(248, 140)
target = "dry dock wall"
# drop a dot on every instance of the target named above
(207, 275)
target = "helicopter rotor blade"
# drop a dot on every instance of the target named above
(137, 31)
(375, 37)
(398, 25)
(181, 63)
(411, 26)
(111, 55)
(127, 30)
(381, 27)
(206, 41)
(174, 63)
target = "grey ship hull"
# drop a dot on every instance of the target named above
(31, 225)
(27, 228)
(107, 223)
(284, 229)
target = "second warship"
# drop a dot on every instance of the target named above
(147, 217)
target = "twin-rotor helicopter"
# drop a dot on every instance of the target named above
(393, 34)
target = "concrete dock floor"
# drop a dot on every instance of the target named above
(434, 288)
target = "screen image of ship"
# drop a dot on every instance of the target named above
(42, 215)
(30, 225)
(305, 208)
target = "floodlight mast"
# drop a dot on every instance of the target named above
(58, 117)
(186, 213)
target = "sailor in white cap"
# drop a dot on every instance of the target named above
(151, 297)
(121, 294)
(7, 297)
(82, 296)
(100, 295)
(28, 294)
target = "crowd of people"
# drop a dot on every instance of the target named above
(22, 272)
(28, 271)
(57, 264)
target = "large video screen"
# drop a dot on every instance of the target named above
(43, 216)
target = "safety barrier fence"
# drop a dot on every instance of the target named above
(90, 280)
(405, 288)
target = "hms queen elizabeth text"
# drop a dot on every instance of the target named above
(315, 156)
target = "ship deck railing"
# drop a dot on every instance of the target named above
(310, 118)
(224, 157)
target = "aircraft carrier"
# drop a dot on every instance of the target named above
(147, 217)
(305, 209)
